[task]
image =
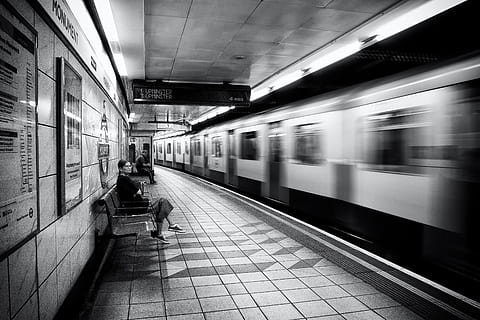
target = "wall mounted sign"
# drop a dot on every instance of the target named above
(62, 16)
(103, 151)
(18, 177)
(69, 136)
(191, 94)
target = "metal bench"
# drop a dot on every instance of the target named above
(126, 220)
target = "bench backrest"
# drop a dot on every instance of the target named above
(121, 223)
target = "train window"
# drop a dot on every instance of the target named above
(196, 148)
(248, 142)
(161, 147)
(217, 147)
(179, 148)
(396, 140)
(186, 147)
(308, 144)
(169, 148)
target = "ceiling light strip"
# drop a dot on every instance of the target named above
(399, 19)
(108, 24)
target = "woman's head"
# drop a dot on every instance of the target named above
(124, 166)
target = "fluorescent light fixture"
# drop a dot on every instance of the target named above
(256, 94)
(287, 79)
(414, 16)
(108, 23)
(384, 26)
(212, 114)
(334, 56)
(83, 17)
(105, 13)
(120, 63)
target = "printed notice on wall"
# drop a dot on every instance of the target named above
(72, 111)
(18, 189)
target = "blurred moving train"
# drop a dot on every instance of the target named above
(393, 163)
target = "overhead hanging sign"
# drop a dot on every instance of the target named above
(191, 94)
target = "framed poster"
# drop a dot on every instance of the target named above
(69, 136)
(18, 136)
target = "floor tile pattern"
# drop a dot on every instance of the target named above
(232, 264)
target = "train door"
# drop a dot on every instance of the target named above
(205, 156)
(232, 159)
(275, 137)
(192, 151)
(131, 153)
(164, 155)
(174, 154)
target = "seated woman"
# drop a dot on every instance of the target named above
(130, 194)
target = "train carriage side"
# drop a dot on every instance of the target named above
(251, 151)
(217, 163)
(415, 141)
(178, 151)
(197, 154)
(168, 152)
(186, 153)
(159, 152)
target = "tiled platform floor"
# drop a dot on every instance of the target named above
(234, 264)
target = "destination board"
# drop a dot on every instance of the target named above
(191, 94)
(18, 176)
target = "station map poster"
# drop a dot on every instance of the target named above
(69, 136)
(18, 174)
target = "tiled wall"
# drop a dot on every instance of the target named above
(36, 278)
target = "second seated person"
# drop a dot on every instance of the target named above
(130, 194)
(143, 168)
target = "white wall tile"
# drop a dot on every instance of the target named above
(29, 311)
(91, 179)
(46, 100)
(5, 304)
(101, 224)
(24, 9)
(46, 46)
(60, 49)
(48, 200)
(47, 253)
(22, 280)
(47, 151)
(63, 280)
(64, 237)
(91, 120)
(88, 92)
(89, 150)
(76, 261)
(48, 298)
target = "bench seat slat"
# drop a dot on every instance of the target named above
(125, 221)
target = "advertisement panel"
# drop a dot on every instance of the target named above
(69, 137)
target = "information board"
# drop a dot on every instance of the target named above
(191, 93)
(18, 174)
(69, 136)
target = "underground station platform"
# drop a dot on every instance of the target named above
(240, 259)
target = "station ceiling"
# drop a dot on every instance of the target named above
(247, 41)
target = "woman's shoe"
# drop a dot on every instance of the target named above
(175, 228)
(160, 237)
